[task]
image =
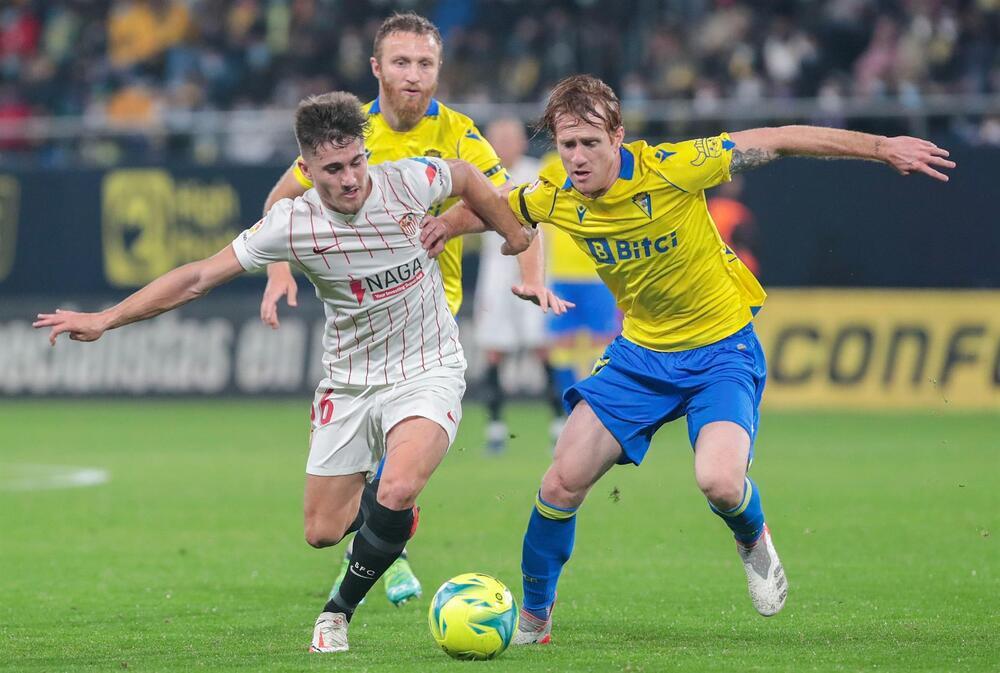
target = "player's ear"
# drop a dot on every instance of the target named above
(376, 68)
(618, 136)
(304, 167)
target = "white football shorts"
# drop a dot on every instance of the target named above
(350, 423)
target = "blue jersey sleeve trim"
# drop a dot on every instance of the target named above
(628, 164)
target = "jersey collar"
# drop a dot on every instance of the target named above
(433, 110)
(625, 172)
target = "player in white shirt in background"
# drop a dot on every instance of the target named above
(505, 324)
(395, 369)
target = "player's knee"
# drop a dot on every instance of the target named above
(723, 490)
(324, 534)
(398, 493)
(560, 491)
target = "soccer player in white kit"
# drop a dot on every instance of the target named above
(394, 367)
(506, 324)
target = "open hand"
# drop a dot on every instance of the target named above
(80, 326)
(543, 297)
(914, 155)
(280, 283)
(433, 235)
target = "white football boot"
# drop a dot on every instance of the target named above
(532, 630)
(330, 633)
(765, 576)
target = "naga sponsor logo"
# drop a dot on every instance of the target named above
(612, 251)
(390, 282)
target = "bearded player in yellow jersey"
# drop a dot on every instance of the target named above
(407, 121)
(688, 346)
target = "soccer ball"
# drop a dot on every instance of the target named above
(473, 616)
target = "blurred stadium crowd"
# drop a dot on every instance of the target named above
(134, 61)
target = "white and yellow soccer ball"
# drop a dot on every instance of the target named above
(473, 616)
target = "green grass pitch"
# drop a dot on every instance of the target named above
(191, 557)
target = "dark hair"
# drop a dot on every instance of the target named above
(407, 22)
(584, 97)
(335, 118)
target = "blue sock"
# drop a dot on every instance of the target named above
(548, 544)
(746, 520)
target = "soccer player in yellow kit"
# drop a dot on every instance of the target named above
(688, 346)
(407, 121)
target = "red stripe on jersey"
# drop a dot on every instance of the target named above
(391, 251)
(386, 202)
(362, 241)
(369, 345)
(416, 201)
(357, 340)
(385, 367)
(440, 280)
(338, 337)
(422, 319)
(437, 322)
(316, 248)
(291, 246)
(403, 332)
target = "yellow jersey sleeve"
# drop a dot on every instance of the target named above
(693, 165)
(300, 176)
(533, 203)
(475, 149)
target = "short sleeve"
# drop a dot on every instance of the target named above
(300, 176)
(533, 202)
(428, 177)
(475, 149)
(267, 241)
(694, 165)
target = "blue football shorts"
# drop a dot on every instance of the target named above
(635, 390)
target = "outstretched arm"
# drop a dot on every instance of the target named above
(172, 289)
(757, 147)
(489, 204)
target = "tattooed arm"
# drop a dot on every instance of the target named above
(757, 147)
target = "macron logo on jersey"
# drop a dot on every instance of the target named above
(612, 251)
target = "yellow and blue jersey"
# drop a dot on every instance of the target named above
(654, 243)
(443, 133)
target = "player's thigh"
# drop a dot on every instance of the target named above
(343, 438)
(420, 419)
(721, 456)
(726, 382)
(416, 446)
(585, 450)
(330, 505)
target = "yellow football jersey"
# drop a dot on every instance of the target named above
(444, 133)
(654, 243)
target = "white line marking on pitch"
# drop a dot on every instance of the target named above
(27, 477)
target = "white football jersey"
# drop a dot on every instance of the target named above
(386, 314)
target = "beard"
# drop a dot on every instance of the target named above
(409, 111)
